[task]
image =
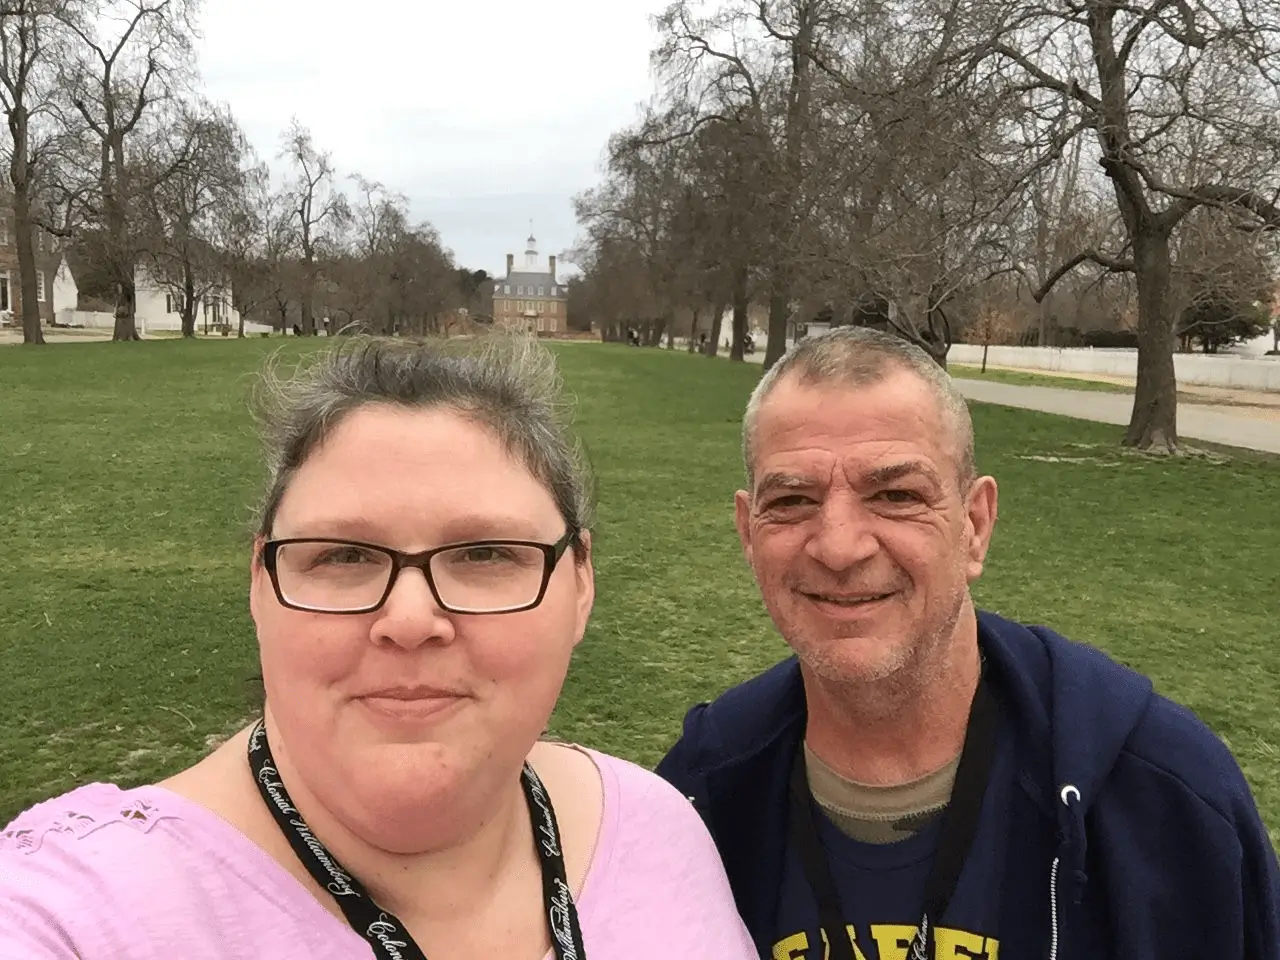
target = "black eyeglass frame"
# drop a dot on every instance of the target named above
(551, 553)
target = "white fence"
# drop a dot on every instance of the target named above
(1245, 373)
(90, 320)
(101, 320)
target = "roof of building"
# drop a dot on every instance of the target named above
(526, 278)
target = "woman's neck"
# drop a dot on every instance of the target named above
(460, 873)
(487, 858)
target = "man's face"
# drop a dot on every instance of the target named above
(858, 532)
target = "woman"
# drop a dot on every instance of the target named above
(420, 577)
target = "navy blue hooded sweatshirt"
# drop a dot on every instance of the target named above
(1158, 851)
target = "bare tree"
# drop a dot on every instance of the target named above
(131, 56)
(319, 209)
(752, 64)
(31, 42)
(191, 209)
(1179, 97)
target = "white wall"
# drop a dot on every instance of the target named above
(66, 295)
(150, 303)
(1247, 373)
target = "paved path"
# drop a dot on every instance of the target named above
(1195, 421)
(1232, 426)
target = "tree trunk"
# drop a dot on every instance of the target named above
(19, 176)
(1154, 423)
(126, 304)
(188, 303)
(737, 349)
(778, 312)
(308, 301)
(1042, 339)
(717, 322)
(693, 329)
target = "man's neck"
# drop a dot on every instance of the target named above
(901, 728)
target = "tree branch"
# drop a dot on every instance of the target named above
(1067, 88)
(1111, 264)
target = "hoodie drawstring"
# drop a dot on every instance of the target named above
(1072, 850)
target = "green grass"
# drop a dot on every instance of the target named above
(1021, 378)
(129, 471)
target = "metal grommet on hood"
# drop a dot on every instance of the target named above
(1066, 793)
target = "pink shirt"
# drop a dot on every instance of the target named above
(107, 874)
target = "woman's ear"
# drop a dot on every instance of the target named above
(585, 581)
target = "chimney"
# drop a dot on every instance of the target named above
(552, 258)
(511, 260)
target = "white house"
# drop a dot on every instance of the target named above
(159, 306)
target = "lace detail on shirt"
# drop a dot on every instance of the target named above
(132, 811)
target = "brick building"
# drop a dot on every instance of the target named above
(531, 298)
(50, 269)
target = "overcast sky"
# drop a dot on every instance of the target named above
(486, 113)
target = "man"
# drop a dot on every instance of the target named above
(923, 780)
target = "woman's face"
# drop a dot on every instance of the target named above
(382, 714)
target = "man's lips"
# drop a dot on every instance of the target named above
(851, 600)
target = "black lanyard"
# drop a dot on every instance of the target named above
(385, 934)
(959, 826)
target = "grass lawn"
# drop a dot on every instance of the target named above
(1021, 378)
(129, 471)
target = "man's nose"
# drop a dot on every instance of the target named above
(843, 536)
(411, 615)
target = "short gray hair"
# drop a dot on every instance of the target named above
(861, 357)
(505, 382)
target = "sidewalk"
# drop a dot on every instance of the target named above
(1233, 426)
(1215, 424)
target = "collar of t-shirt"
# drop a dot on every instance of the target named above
(876, 814)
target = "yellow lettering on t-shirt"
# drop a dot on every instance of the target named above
(893, 940)
(853, 941)
(794, 947)
(958, 944)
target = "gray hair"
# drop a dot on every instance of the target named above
(861, 357)
(505, 382)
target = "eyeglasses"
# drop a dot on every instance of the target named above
(347, 576)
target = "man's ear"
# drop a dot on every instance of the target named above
(982, 507)
(742, 518)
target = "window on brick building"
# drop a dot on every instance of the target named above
(40, 285)
(4, 234)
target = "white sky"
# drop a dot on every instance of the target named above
(485, 113)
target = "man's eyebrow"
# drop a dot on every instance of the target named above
(773, 482)
(896, 471)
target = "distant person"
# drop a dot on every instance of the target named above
(923, 780)
(421, 575)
